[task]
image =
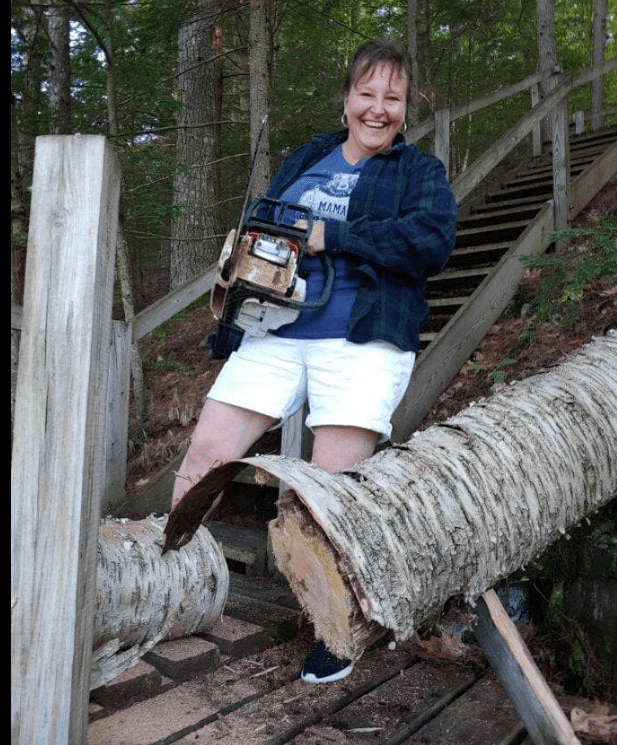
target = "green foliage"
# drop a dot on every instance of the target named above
(563, 286)
(498, 373)
(466, 50)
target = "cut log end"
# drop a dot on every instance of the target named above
(317, 576)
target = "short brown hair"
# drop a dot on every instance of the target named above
(371, 53)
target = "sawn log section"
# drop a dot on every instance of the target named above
(458, 507)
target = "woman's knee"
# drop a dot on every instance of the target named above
(337, 447)
(227, 431)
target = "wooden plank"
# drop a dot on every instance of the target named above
(167, 307)
(57, 468)
(442, 138)
(472, 176)
(241, 544)
(117, 419)
(543, 718)
(561, 164)
(599, 173)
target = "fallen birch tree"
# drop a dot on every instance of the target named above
(143, 597)
(460, 506)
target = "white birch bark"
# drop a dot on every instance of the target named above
(143, 597)
(464, 503)
(457, 508)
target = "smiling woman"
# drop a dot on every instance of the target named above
(374, 112)
(385, 218)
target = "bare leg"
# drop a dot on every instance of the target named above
(336, 448)
(223, 432)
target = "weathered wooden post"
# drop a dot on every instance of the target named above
(442, 137)
(58, 450)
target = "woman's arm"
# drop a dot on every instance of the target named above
(418, 241)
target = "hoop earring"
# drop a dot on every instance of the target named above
(404, 128)
(344, 121)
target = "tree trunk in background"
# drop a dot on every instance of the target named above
(412, 47)
(547, 52)
(259, 88)
(59, 67)
(598, 40)
(123, 259)
(194, 242)
(143, 597)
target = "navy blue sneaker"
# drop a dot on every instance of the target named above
(321, 666)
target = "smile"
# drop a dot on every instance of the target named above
(375, 125)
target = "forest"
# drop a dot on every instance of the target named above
(180, 88)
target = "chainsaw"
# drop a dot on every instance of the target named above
(257, 285)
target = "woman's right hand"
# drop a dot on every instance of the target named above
(315, 243)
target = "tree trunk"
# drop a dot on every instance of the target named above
(259, 87)
(143, 598)
(547, 52)
(412, 47)
(461, 505)
(194, 242)
(59, 68)
(598, 40)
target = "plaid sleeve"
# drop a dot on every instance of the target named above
(416, 234)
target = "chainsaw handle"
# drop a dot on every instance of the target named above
(268, 214)
(327, 290)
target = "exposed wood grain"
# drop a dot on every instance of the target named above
(58, 463)
(117, 419)
(561, 164)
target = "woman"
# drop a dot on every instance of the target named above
(385, 215)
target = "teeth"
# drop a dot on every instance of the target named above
(376, 125)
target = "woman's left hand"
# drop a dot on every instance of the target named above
(315, 243)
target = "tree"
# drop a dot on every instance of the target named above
(194, 244)
(59, 68)
(260, 83)
(547, 49)
(598, 39)
(463, 504)
(177, 596)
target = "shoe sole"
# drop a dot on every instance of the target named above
(313, 679)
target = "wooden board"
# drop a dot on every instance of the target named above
(58, 454)
(543, 718)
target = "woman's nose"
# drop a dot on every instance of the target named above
(378, 105)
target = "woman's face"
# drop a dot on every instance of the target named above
(375, 109)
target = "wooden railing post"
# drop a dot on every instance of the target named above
(58, 451)
(117, 415)
(561, 163)
(537, 130)
(442, 137)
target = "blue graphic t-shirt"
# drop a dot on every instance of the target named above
(325, 188)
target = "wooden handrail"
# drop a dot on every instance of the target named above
(580, 78)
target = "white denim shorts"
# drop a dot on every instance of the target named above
(346, 384)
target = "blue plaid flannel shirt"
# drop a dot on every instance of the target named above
(400, 230)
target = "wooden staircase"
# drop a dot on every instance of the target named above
(513, 219)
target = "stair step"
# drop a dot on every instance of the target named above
(481, 219)
(491, 234)
(246, 546)
(472, 256)
(445, 304)
(534, 200)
